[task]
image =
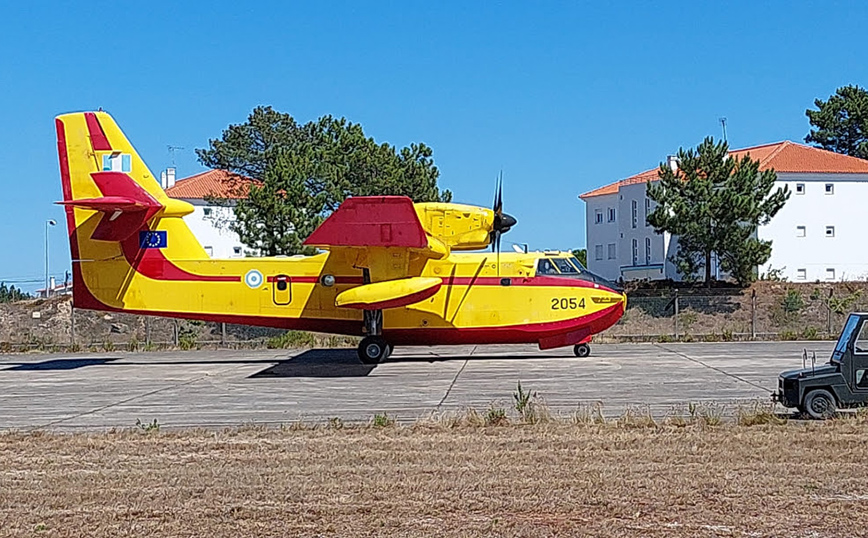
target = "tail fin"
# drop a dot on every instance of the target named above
(115, 208)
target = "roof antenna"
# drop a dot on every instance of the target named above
(723, 126)
(172, 150)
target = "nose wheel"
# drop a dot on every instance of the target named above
(582, 350)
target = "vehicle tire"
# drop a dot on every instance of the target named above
(582, 350)
(820, 404)
(372, 350)
(389, 349)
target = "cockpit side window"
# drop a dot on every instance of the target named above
(578, 264)
(564, 266)
(546, 267)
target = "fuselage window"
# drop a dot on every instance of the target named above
(564, 266)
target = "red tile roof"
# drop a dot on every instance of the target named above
(784, 157)
(216, 183)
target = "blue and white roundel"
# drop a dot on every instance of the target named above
(253, 278)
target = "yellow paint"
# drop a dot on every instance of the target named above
(471, 296)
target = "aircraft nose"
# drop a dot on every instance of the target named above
(507, 222)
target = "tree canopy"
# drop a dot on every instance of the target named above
(11, 294)
(714, 204)
(841, 123)
(302, 172)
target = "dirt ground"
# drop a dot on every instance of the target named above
(796, 479)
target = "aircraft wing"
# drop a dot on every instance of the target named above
(383, 236)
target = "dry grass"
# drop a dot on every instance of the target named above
(452, 477)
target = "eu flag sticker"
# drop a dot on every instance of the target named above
(149, 239)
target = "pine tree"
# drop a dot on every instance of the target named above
(714, 204)
(303, 172)
(841, 123)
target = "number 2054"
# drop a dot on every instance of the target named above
(564, 303)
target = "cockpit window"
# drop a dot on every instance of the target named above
(546, 267)
(578, 264)
(564, 266)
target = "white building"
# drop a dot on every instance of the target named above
(818, 235)
(209, 222)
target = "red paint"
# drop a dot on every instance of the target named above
(413, 298)
(97, 136)
(371, 221)
(152, 263)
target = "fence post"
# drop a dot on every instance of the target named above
(829, 308)
(148, 331)
(71, 324)
(675, 303)
(753, 314)
(176, 330)
(223, 333)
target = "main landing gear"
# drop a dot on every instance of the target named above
(374, 347)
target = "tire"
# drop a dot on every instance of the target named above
(372, 350)
(582, 350)
(820, 404)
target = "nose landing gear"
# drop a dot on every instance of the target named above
(582, 350)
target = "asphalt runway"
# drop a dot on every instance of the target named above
(273, 387)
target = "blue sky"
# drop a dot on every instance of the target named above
(564, 97)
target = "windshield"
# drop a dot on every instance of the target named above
(844, 339)
(564, 266)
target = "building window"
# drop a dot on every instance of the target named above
(612, 252)
(635, 252)
(611, 214)
(598, 252)
(830, 273)
(800, 188)
(800, 231)
(207, 211)
(635, 211)
(830, 231)
(647, 251)
(801, 274)
(598, 216)
(830, 188)
(236, 250)
(647, 209)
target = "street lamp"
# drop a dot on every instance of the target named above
(49, 222)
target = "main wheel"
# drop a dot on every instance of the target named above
(372, 350)
(820, 404)
(582, 350)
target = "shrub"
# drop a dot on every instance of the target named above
(495, 416)
(792, 302)
(382, 421)
(291, 339)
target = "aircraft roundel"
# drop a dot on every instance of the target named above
(253, 279)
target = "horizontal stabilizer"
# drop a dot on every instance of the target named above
(371, 221)
(126, 206)
(389, 294)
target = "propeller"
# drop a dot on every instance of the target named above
(502, 221)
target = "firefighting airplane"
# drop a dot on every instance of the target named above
(390, 270)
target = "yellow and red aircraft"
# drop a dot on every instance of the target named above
(390, 270)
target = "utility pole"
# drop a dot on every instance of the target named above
(723, 126)
(48, 223)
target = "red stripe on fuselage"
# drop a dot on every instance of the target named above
(152, 263)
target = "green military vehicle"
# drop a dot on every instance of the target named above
(819, 391)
